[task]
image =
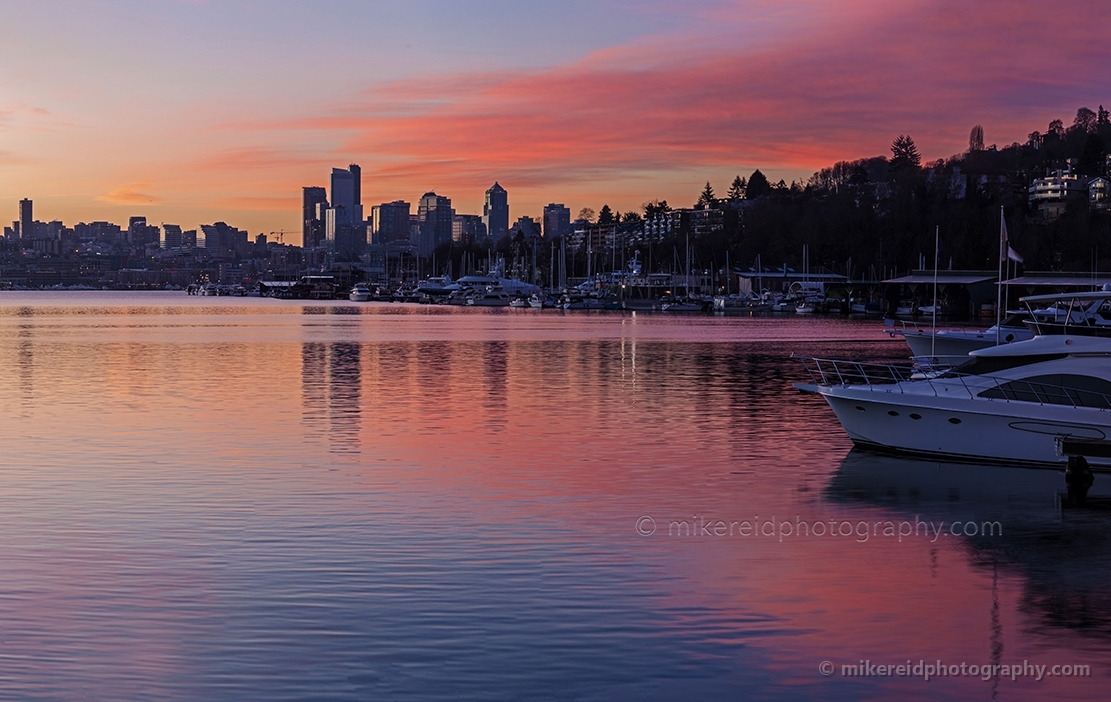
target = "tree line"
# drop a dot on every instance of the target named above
(877, 215)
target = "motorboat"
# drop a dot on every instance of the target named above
(1008, 403)
(361, 292)
(535, 302)
(519, 302)
(925, 341)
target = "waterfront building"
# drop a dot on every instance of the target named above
(312, 225)
(390, 222)
(557, 220)
(495, 213)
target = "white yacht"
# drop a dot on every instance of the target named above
(1086, 313)
(924, 341)
(361, 292)
(1008, 403)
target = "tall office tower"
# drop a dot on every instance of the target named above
(557, 220)
(357, 183)
(26, 220)
(495, 213)
(435, 215)
(312, 226)
(347, 191)
(390, 222)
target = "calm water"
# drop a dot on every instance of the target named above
(253, 499)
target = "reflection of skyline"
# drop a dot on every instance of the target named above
(331, 394)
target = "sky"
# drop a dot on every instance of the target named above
(193, 111)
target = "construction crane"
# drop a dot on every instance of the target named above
(281, 234)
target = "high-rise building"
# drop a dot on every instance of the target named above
(171, 237)
(344, 228)
(390, 222)
(435, 215)
(557, 220)
(26, 220)
(347, 190)
(312, 225)
(495, 213)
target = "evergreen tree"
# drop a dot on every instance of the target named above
(656, 207)
(706, 198)
(904, 154)
(758, 185)
(605, 215)
(737, 189)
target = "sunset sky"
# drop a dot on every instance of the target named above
(192, 111)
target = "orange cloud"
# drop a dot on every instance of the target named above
(130, 195)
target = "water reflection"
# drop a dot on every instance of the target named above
(1061, 552)
(331, 395)
(25, 361)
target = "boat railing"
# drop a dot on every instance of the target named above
(891, 377)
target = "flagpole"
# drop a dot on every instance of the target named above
(933, 331)
(999, 287)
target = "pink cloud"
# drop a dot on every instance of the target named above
(800, 104)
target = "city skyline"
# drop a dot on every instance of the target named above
(193, 112)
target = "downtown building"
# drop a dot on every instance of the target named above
(314, 201)
(495, 213)
(435, 217)
(390, 222)
(344, 228)
(557, 220)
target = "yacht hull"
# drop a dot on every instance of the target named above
(953, 343)
(963, 428)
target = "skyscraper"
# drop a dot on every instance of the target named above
(435, 215)
(344, 228)
(390, 221)
(312, 225)
(26, 220)
(347, 191)
(495, 213)
(557, 220)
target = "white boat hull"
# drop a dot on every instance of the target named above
(962, 428)
(956, 342)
